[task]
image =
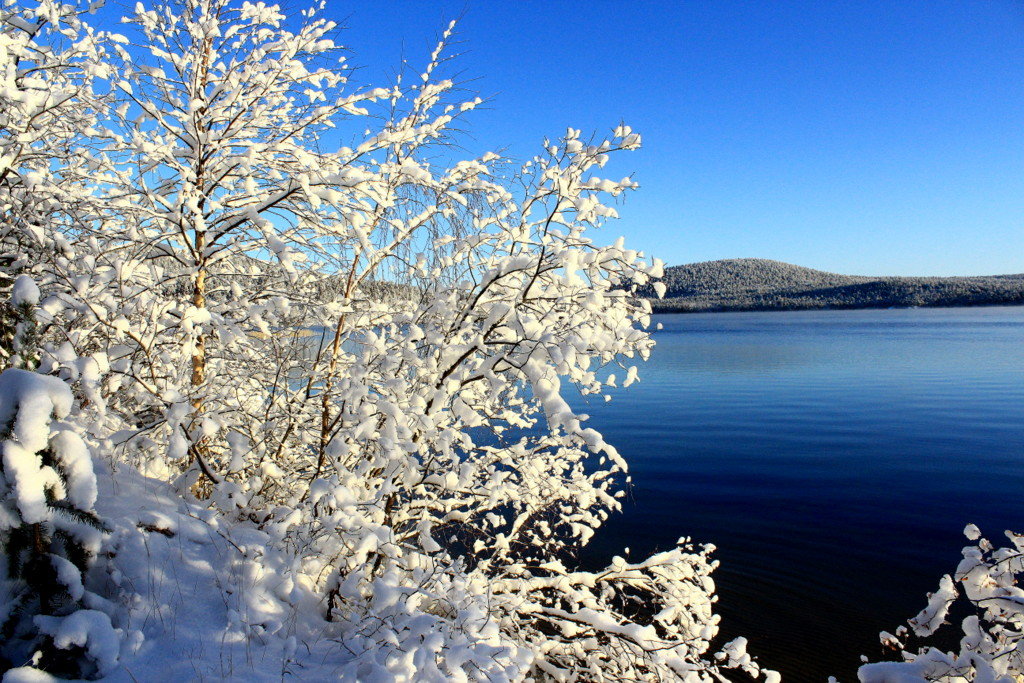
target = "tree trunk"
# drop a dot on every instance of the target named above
(325, 396)
(200, 446)
(199, 301)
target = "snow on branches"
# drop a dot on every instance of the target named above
(48, 60)
(285, 296)
(992, 642)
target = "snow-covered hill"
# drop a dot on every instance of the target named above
(762, 284)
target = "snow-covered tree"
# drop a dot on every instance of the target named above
(49, 531)
(48, 59)
(287, 295)
(22, 337)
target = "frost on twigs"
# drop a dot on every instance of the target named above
(991, 646)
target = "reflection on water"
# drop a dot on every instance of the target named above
(747, 358)
(832, 456)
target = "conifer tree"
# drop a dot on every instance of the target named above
(49, 532)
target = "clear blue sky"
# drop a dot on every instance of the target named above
(861, 137)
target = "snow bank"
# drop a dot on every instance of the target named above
(206, 599)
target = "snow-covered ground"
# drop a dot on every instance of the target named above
(203, 600)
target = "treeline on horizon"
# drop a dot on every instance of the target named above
(752, 284)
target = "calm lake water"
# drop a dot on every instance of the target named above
(833, 457)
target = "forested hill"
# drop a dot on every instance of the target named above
(752, 284)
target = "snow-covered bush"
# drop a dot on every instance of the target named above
(286, 297)
(991, 647)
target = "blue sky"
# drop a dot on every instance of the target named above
(857, 137)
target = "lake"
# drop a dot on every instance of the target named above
(833, 457)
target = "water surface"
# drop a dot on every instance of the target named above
(833, 457)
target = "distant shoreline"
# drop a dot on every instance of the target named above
(761, 285)
(689, 311)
